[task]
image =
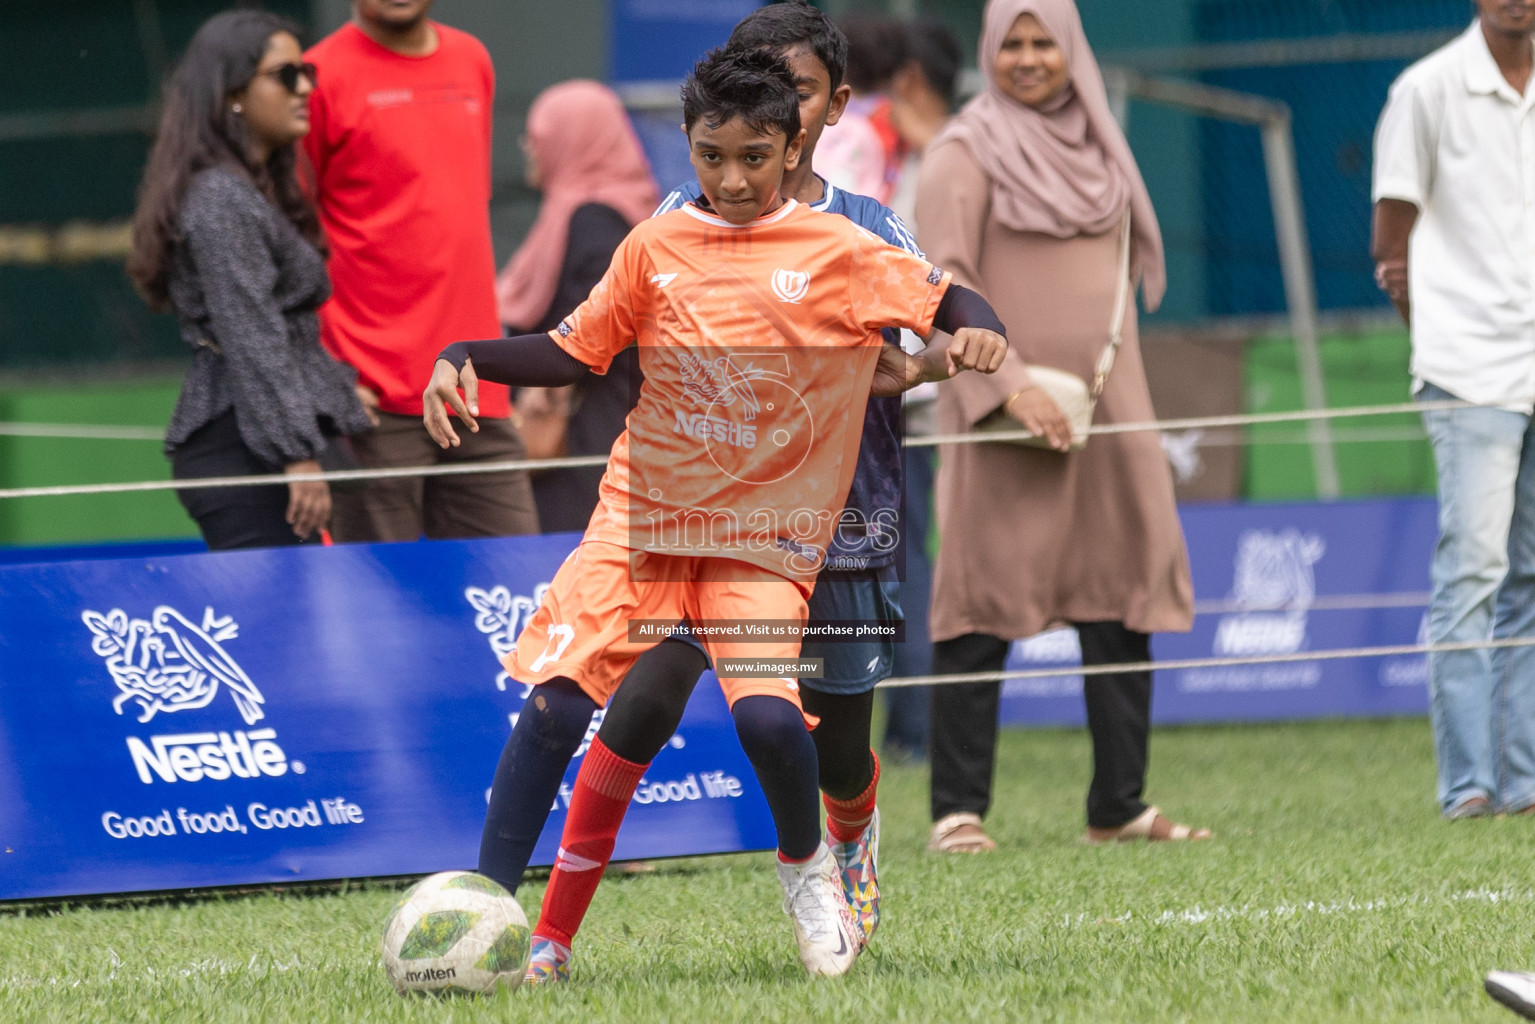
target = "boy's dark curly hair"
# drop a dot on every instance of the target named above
(752, 84)
(791, 23)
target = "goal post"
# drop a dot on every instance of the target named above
(1274, 122)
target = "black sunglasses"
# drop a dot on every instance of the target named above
(288, 75)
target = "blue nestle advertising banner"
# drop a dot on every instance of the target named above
(171, 721)
(267, 716)
(1274, 580)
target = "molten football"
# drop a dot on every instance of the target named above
(456, 931)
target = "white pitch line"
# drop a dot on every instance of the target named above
(1197, 915)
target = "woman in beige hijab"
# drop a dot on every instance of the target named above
(1023, 197)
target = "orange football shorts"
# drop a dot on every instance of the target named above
(581, 630)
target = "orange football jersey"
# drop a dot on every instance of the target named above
(758, 344)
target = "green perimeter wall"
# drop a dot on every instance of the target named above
(37, 462)
(1362, 366)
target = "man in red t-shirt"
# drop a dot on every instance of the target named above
(400, 141)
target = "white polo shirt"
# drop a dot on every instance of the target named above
(1458, 142)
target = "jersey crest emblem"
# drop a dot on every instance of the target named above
(791, 285)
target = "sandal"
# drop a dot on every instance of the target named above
(1148, 825)
(959, 833)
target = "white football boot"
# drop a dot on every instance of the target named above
(1514, 989)
(824, 926)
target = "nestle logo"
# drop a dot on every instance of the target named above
(194, 756)
(712, 428)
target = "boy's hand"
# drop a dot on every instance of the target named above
(895, 373)
(975, 348)
(443, 390)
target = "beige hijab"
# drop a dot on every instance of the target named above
(1064, 169)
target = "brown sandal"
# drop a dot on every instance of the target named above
(1148, 825)
(959, 833)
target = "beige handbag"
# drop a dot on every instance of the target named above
(1068, 391)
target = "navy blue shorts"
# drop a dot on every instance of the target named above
(872, 596)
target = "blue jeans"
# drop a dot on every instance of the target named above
(1483, 702)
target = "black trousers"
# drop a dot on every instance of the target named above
(231, 517)
(964, 745)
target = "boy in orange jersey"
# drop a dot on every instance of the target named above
(758, 322)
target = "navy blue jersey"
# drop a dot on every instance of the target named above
(873, 514)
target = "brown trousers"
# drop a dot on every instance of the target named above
(440, 507)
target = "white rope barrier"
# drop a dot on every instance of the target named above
(338, 476)
(1207, 422)
(1342, 654)
(103, 432)
(1343, 435)
(334, 476)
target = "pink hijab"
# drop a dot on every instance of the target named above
(1065, 169)
(587, 152)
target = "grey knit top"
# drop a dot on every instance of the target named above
(245, 286)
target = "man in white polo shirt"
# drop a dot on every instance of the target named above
(1454, 244)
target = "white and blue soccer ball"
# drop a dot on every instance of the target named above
(456, 932)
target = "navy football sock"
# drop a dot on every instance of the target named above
(773, 734)
(550, 728)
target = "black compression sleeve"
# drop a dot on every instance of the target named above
(961, 307)
(526, 361)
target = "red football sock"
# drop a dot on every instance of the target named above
(604, 786)
(846, 819)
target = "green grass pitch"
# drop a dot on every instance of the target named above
(1332, 892)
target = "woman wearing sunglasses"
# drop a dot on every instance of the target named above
(225, 238)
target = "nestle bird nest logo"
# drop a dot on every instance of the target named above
(168, 663)
(729, 395)
(501, 616)
(1273, 585)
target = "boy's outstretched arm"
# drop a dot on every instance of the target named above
(528, 361)
(977, 341)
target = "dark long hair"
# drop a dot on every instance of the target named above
(198, 131)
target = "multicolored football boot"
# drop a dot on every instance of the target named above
(859, 874)
(549, 963)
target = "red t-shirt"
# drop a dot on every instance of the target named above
(401, 150)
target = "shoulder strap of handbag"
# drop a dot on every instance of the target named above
(1121, 304)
